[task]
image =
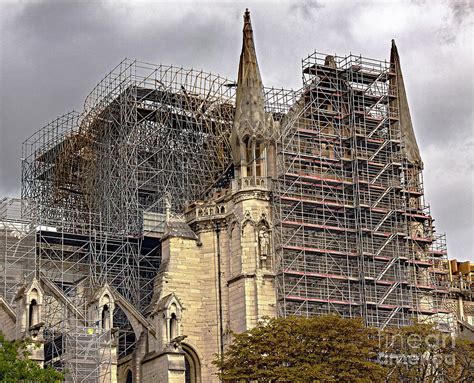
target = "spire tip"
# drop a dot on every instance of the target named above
(246, 16)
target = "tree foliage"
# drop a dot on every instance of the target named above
(296, 349)
(332, 349)
(421, 354)
(16, 367)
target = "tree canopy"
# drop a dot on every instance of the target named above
(332, 349)
(16, 367)
(297, 349)
(421, 354)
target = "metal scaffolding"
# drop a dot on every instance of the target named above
(352, 233)
(145, 128)
(95, 186)
(17, 246)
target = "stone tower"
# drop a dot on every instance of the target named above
(251, 283)
(217, 270)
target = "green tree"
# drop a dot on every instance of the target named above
(462, 370)
(16, 367)
(297, 349)
(422, 354)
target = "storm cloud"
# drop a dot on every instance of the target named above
(52, 53)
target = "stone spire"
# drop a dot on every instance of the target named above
(410, 145)
(250, 120)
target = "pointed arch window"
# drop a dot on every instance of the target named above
(249, 156)
(33, 315)
(173, 326)
(106, 317)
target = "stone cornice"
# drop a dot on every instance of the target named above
(258, 194)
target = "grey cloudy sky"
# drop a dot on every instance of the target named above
(52, 53)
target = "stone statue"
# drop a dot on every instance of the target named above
(263, 247)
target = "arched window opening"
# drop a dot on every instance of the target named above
(188, 372)
(192, 365)
(249, 157)
(106, 317)
(173, 326)
(259, 160)
(237, 152)
(33, 317)
(129, 378)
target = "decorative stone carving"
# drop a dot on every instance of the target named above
(264, 248)
(248, 219)
(168, 312)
